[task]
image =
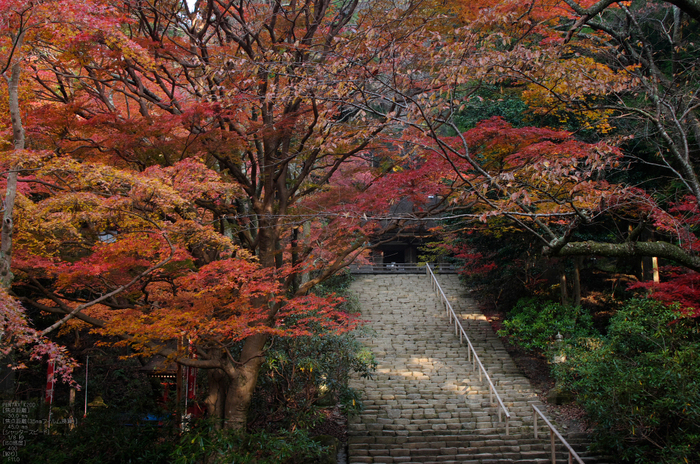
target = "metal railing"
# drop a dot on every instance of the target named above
(397, 268)
(552, 433)
(471, 356)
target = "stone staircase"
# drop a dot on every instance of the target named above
(425, 402)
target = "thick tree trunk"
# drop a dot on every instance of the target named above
(295, 281)
(307, 237)
(690, 7)
(216, 395)
(243, 379)
(242, 374)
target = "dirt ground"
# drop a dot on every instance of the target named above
(334, 423)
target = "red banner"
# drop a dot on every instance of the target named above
(191, 373)
(191, 382)
(50, 381)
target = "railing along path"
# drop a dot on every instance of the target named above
(471, 355)
(397, 268)
(552, 433)
(474, 357)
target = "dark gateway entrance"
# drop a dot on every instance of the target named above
(398, 252)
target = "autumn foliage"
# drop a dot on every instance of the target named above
(177, 174)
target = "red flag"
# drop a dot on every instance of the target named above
(191, 374)
(50, 381)
(191, 382)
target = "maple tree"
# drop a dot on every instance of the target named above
(25, 30)
(654, 46)
(195, 173)
(637, 98)
(202, 175)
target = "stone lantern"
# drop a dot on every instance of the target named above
(559, 355)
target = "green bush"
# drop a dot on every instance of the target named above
(641, 384)
(534, 324)
(302, 375)
(107, 437)
(205, 444)
(103, 437)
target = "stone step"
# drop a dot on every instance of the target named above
(431, 454)
(463, 446)
(426, 403)
(460, 456)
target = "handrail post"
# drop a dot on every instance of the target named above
(534, 426)
(554, 453)
(554, 433)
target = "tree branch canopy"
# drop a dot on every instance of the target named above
(689, 7)
(660, 249)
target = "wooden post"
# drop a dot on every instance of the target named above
(178, 383)
(578, 260)
(534, 426)
(554, 452)
(71, 408)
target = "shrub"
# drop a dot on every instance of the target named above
(533, 325)
(103, 437)
(641, 384)
(303, 375)
(205, 444)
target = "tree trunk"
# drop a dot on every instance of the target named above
(307, 237)
(578, 260)
(11, 189)
(243, 379)
(242, 375)
(216, 395)
(562, 285)
(659, 249)
(296, 278)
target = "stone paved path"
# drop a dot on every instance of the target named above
(425, 403)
